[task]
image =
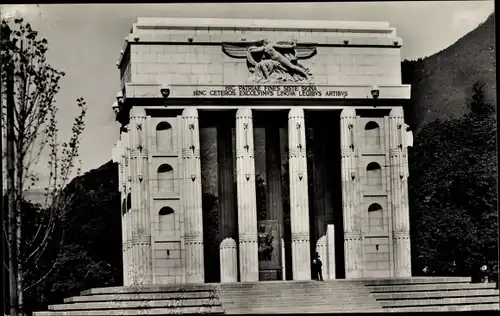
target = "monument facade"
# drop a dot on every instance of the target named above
(246, 146)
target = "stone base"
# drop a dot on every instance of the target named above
(375, 295)
(270, 275)
(146, 300)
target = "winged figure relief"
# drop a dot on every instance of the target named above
(273, 61)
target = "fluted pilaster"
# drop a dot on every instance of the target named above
(246, 192)
(193, 216)
(129, 261)
(141, 231)
(299, 199)
(351, 194)
(398, 157)
(118, 154)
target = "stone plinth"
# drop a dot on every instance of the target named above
(191, 192)
(246, 192)
(299, 199)
(330, 252)
(228, 261)
(283, 263)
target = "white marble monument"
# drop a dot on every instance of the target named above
(347, 184)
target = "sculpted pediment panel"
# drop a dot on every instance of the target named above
(273, 62)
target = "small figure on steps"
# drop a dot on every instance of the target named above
(317, 268)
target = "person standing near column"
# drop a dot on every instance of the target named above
(317, 268)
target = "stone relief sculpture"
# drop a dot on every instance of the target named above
(273, 61)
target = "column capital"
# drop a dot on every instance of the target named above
(244, 112)
(296, 113)
(300, 236)
(193, 238)
(190, 112)
(397, 113)
(137, 112)
(401, 234)
(353, 235)
(248, 237)
(348, 113)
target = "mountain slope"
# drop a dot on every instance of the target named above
(442, 82)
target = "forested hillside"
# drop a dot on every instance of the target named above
(441, 82)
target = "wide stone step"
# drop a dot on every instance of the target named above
(167, 288)
(135, 312)
(435, 294)
(325, 291)
(139, 297)
(136, 304)
(449, 308)
(306, 301)
(440, 301)
(302, 309)
(288, 287)
(429, 287)
(417, 280)
(293, 299)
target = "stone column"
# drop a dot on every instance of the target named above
(351, 194)
(228, 223)
(299, 199)
(128, 212)
(246, 192)
(398, 158)
(119, 157)
(123, 189)
(141, 232)
(193, 216)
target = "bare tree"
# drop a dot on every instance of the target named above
(32, 85)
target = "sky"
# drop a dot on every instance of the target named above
(85, 41)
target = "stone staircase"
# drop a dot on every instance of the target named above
(272, 297)
(276, 297)
(434, 294)
(147, 300)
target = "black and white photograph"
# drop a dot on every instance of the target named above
(249, 158)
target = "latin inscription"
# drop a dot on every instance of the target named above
(271, 91)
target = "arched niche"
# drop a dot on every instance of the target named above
(375, 218)
(372, 135)
(165, 178)
(166, 221)
(164, 136)
(374, 176)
